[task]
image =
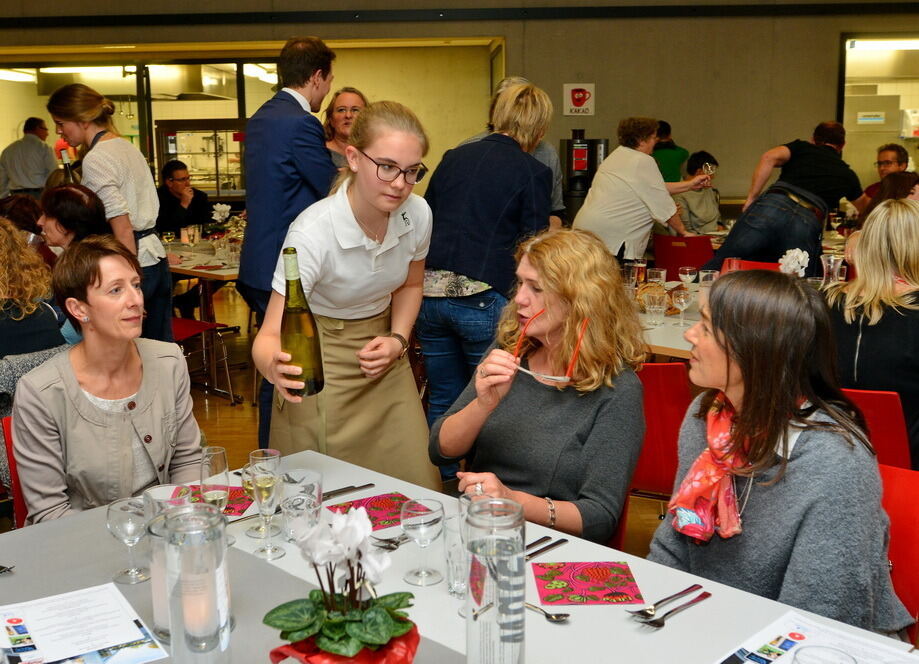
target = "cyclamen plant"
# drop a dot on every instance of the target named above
(221, 212)
(343, 620)
(794, 261)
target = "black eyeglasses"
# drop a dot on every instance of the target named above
(886, 163)
(391, 172)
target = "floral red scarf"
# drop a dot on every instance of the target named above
(705, 501)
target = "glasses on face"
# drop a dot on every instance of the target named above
(885, 164)
(185, 179)
(574, 356)
(390, 172)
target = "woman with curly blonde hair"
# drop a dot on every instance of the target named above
(27, 322)
(552, 417)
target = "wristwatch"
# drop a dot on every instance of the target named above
(402, 341)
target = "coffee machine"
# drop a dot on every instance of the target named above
(580, 159)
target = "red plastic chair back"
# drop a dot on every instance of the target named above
(886, 424)
(757, 265)
(666, 399)
(19, 503)
(900, 497)
(672, 253)
(185, 328)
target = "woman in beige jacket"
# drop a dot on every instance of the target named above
(112, 416)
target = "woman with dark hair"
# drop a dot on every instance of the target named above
(24, 211)
(118, 173)
(340, 115)
(777, 481)
(71, 212)
(113, 415)
(901, 184)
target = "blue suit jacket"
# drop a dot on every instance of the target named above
(288, 168)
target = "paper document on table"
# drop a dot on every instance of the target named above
(779, 641)
(90, 625)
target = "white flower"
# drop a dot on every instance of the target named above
(351, 530)
(320, 547)
(221, 212)
(794, 261)
(374, 564)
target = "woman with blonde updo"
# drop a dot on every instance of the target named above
(27, 322)
(118, 173)
(339, 118)
(552, 417)
(361, 256)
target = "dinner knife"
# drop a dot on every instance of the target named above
(537, 542)
(334, 493)
(547, 547)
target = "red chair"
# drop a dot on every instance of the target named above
(886, 424)
(740, 264)
(900, 497)
(672, 253)
(19, 503)
(186, 329)
(666, 399)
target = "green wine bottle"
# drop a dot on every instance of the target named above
(299, 335)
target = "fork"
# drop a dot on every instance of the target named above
(649, 612)
(657, 623)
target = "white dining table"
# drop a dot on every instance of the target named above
(75, 552)
(667, 339)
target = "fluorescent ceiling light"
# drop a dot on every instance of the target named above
(95, 72)
(18, 75)
(257, 71)
(884, 44)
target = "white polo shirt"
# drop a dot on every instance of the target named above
(344, 273)
(626, 196)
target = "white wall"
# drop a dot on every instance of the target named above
(19, 101)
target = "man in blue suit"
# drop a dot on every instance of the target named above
(288, 168)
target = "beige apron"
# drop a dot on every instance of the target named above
(374, 423)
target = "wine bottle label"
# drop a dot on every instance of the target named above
(291, 268)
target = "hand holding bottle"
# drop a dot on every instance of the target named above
(284, 377)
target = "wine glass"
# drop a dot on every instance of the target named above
(709, 168)
(422, 520)
(258, 531)
(264, 469)
(168, 237)
(681, 300)
(215, 480)
(658, 274)
(125, 520)
(688, 274)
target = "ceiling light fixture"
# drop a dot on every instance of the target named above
(883, 44)
(17, 75)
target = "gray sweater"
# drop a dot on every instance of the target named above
(578, 447)
(816, 539)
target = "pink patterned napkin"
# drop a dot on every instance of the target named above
(237, 504)
(384, 510)
(586, 583)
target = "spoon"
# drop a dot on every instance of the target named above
(551, 617)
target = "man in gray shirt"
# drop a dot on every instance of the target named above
(26, 164)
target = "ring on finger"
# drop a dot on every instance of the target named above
(478, 489)
(482, 373)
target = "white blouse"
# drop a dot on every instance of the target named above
(344, 273)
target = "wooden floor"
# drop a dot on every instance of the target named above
(236, 427)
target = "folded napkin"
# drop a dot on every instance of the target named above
(586, 583)
(384, 510)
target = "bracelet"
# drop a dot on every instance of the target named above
(552, 513)
(398, 337)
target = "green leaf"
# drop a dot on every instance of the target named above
(554, 598)
(596, 589)
(395, 600)
(291, 616)
(346, 647)
(376, 627)
(335, 617)
(333, 630)
(401, 627)
(316, 597)
(299, 635)
(354, 615)
(398, 615)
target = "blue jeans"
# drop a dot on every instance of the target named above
(772, 225)
(257, 300)
(454, 333)
(156, 285)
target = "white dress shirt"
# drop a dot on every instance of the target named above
(344, 273)
(626, 196)
(26, 164)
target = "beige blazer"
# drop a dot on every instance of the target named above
(73, 456)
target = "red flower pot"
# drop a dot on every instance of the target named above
(400, 650)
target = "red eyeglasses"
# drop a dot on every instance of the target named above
(574, 357)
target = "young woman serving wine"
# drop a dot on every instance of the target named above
(361, 258)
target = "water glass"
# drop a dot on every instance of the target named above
(194, 234)
(234, 249)
(688, 274)
(707, 278)
(641, 268)
(215, 480)
(125, 521)
(655, 307)
(842, 272)
(658, 274)
(821, 655)
(301, 512)
(681, 300)
(157, 499)
(422, 521)
(457, 556)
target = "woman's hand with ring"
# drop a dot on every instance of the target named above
(488, 484)
(494, 376)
